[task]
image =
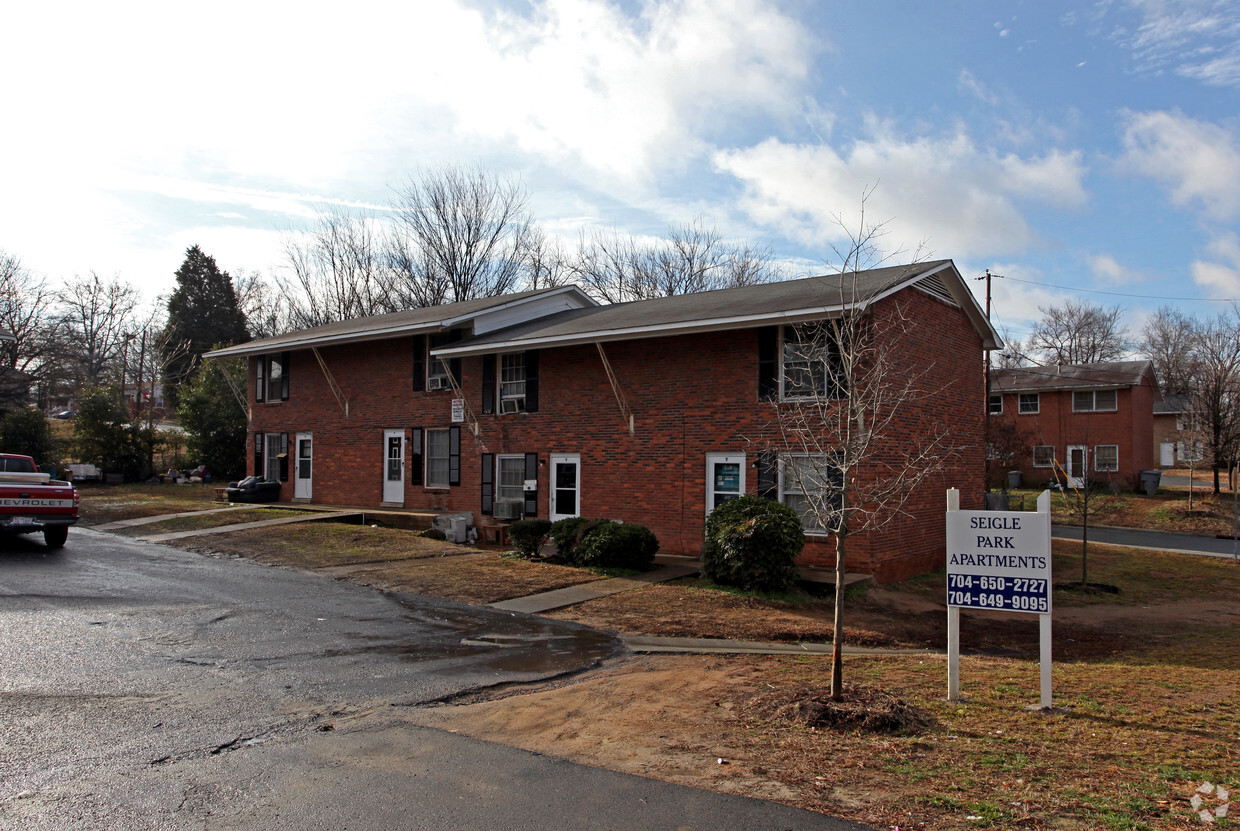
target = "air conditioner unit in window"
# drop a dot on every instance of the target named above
(511, 405)
(507, 509)
(437, 382)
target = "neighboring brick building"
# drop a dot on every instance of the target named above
(1092, 421)
(649, 412)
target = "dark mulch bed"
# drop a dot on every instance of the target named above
(861, 709)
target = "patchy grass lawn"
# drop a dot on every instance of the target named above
(1167, 511)
(109, 503)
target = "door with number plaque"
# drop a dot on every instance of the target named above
(394, 467)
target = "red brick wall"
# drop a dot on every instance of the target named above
(691, 395)
(1130, 427)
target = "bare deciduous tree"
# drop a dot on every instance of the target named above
(26, 306)
(339, 271)
(1167, 341)
(460, 234)
(855, 440)
(264, 305)
(96, 319)
(1214, 403)
(1078, 332)
(692, 258)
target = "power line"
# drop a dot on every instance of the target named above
(1120, 293)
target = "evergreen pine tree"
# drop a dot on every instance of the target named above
(203, 313)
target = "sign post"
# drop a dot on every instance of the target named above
(998, 560)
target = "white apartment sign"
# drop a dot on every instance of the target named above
(998, 560)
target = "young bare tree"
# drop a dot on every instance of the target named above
(339, 271)
(691, 258)
(1167, 341)
(264, 305)
(855, 439)
(1078, 332)
(459, 234)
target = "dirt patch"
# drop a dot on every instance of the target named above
(861, 708)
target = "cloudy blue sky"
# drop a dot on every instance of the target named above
(1085, 149)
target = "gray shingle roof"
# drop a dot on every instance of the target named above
(1066, 377)
(790, 301)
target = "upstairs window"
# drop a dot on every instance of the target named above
(512, 383)
(1029, 403)
(1094, 401)
(812, 366)
(271, 376)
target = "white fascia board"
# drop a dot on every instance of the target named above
(639, 332)
(249, 349)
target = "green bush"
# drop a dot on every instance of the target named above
(616, 545)
(753, 543)
(528, 535)
(434, 534)
(566, 533)
(26, 433)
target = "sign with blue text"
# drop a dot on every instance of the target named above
(999, 560)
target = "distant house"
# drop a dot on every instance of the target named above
(546, 404)
(1174, 441)
(1089, 421)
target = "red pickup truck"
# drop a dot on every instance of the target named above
(31, 501)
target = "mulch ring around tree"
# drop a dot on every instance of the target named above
(861, 709)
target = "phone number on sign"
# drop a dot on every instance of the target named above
(1019, 585)
(1015, 602)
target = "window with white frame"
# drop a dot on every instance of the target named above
(276, 455)
(1093, 401)
(812, 366)
(996, 404)
(512, 383)
(509, 478)
(1191, 451)
(810, 485)
(437, 464)
(1044, 455)
(271, 374)
(1028, 403)
(437, 368)
(1106, 458)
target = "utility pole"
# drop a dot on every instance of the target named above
(988, 450)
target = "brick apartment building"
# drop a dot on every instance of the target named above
(546, 404)
(1090, 421)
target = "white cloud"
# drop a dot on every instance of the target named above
(1197, 39)
(1221, 277)
(962, 200)
(1199, 161)
(1109, 270)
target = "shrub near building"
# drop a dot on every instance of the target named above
(753, 543)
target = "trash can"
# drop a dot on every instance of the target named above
(1150, 480)
(1016, 478)
(997, 501)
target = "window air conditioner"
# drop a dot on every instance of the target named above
(507, 509)
(437, 382)
(511, 405)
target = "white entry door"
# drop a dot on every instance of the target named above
(1078, 465)
(305, 467)
(394, 467)
(565, 486)
(725, 478)
(1166, 454)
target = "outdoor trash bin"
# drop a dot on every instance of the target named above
(1016, 478)
(1150, 480)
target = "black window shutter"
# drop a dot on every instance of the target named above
(488, 384)
(284, 455)
(488, 483)
(531, 381)
(768, 477)
(768, 363)
(415, 456)
(260, 377)
(531, 475)
(454, 455)
(258, 453)
(419, 363)
(284, 383)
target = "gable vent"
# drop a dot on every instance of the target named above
(934, 287)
